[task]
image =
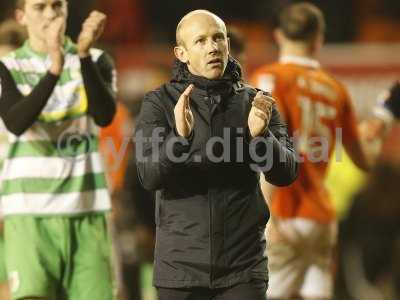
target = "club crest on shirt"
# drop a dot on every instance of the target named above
(14, 281)
(32, 78)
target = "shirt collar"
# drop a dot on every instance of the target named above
(68, 46)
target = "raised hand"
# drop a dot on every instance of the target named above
(260, 114)
(184, 120)
(54, 41)
(92, 29)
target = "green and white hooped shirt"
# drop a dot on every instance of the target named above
(55, 166)
(3, 151)
(3, 146)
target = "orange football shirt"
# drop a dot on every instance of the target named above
(319, 114)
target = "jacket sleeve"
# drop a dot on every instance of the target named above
(275, 153)
(160, 152)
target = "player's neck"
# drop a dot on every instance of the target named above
(301, 50)
(37, 45)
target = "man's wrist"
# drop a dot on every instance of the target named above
(83, 53)
(261, 134)
(57, 62)
(182, 135)
(56, 68)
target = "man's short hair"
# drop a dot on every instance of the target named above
(19, 4)
(301, 21)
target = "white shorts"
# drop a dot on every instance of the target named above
(300, 259)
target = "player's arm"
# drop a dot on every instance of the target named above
(351, 137)
(19, 112)
(99, 77)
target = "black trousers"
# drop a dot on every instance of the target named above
(255, 290)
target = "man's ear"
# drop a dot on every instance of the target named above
(229, 45)
(181, 54)
(279, 36)
(20, 16)
(318, 42)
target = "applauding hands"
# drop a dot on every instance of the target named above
(92, 29)
(184, 120)
(260, 114)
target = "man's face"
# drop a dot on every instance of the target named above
(206, 46)
(36, 15)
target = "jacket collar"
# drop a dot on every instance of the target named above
(232, 75)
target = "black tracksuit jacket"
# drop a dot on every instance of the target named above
(210, 214)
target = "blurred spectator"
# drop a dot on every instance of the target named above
(134, 210)
(115, 148)
(369, 238)
(135, 227)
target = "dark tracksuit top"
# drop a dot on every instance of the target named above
(210, 215)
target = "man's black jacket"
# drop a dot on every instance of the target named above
(210, 214)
